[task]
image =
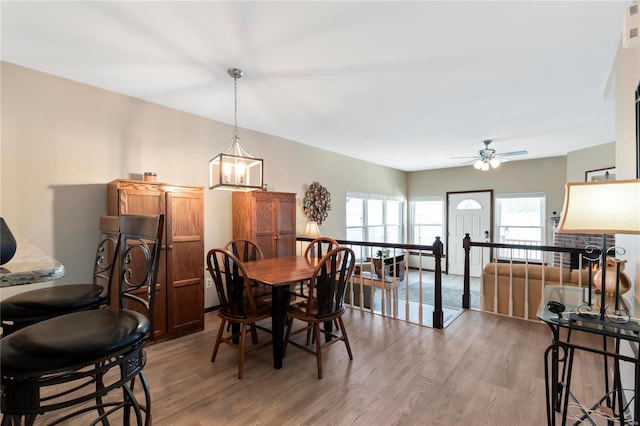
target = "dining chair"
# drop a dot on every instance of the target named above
(248, 251)
(325, 305)
(238, 306)
(314, 251)
(67, 360)
(37, 305)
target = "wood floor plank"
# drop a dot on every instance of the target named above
(482, 370)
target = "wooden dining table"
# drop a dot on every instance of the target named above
(280, 272)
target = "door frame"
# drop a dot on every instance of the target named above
(491, 219)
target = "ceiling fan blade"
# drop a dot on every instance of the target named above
(509, 154)
(457, 158)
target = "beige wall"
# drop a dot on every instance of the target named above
(626, 74)
(593, 158)
(546, 175)
(61, 141)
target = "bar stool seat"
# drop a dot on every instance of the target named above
(34, 306)
(77, 339)
(53, 301)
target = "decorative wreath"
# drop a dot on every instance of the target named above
(317, 202)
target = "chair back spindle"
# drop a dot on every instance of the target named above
(319, 247)
(140, 247)
(328, 284)
(245, 250)
(106, 254)
(232, 285)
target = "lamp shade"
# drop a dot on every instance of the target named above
(311, 230)
(609, 207)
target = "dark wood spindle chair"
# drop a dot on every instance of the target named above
(314, 252)
(324, 305)
(237, 304)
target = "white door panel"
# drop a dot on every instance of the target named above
(468, 212)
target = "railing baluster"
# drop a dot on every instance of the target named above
(529, 254)
(385, 291)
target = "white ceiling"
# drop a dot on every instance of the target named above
(403, 84)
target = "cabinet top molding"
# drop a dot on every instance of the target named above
(131, 183)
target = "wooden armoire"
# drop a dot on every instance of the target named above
(268, 218)
(179, 304)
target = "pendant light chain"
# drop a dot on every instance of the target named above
(235, 107)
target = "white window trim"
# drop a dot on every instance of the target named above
(543, 223)
(369, 196)
(413, 224)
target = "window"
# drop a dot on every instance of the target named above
(427, 220)
(520, 220)
(469, 204)
(375, 218)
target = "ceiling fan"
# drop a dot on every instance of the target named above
(488, 158)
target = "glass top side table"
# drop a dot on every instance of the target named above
(566, 309)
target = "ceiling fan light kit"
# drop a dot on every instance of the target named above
(488, 159)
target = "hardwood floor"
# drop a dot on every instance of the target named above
(482, 370)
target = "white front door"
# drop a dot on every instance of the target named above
(468, 212)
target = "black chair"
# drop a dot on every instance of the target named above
(325, 305)
(248, 251)
(314, 251)
(59, 363)
(34, 306)
(238, 306)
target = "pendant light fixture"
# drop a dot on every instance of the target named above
(235, 169)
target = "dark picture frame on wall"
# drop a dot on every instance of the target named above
(600, 175)
(638, 131)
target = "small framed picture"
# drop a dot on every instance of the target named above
(600, 175)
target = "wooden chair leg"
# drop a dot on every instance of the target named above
(216, 346)
(309, 330)
(243, 341)
(344, 337)
(254, 334)
(287, 335)
(316, 330)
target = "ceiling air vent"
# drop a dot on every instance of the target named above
(630, 36)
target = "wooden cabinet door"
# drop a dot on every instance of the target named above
(286, 232)
(265, 223)
(268, 219)
(185, 261)
(149, 201)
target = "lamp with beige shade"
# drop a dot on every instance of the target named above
(609, 207)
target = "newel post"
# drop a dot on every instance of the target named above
(466, 292)
(438, 315)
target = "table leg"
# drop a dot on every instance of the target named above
(551, 368)
(279, 303)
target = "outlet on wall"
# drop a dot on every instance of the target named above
(208, 283)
